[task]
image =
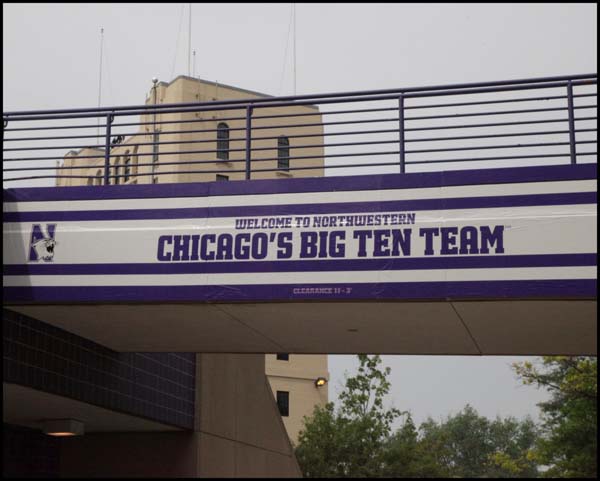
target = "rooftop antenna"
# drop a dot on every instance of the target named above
(189, 39)
(294, 10)
(100, 81)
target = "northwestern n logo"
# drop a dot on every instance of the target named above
(41, 245)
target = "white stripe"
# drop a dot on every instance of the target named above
(436, 275)
(308, 198)
(535, 212)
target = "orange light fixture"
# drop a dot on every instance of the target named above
(63, 427)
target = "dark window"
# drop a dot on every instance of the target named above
(283, 357)
(283, 153)
(222, 177)
(127, 167)
(155, 147)
(283, 402)
(135, 160)
(223, 141)
(117, 171)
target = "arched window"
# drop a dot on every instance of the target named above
(283, 153)
(223, 141)
(127, 166)
(117, 170)
(134, 160)
(99, 177)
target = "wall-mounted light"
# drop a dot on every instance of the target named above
(62, 427)
(320, 381)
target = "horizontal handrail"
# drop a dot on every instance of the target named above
(244, 102)
(313, 132)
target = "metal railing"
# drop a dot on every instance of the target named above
(516, 122)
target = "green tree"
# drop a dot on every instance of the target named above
(356, 439)
(468, 445)
(568, 445)
(512, 443)
(407, 457)
(350, 441)
(461, 442)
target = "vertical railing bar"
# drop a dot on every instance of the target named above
(248, 141)
(109, 119)
(571, 122)
(401, 133)
(3, 129)
(155, 148)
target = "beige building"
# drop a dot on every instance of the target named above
(218, 147)
(221, 145)
(296, 383)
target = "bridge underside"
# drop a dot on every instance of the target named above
(482, 262)
(475, 327)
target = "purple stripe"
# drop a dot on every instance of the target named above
(383, 264)
(579, 289)
(316, 184)
(307, 209)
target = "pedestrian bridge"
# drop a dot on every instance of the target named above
(493, 260)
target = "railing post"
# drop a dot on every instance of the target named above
(248, 140)
(571, 122)
(109, 119)
(401, 132)
(154, 149)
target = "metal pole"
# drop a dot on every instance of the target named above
(3, 129)
(189, 39)
(100, 78)
(401, 133)
(109, 119)
(248, 140)
(571, 122)
(294, 7)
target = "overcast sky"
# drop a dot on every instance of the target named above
(51, 60)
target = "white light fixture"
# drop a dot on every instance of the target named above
(320, 381)
(62, 427)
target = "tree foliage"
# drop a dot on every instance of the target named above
(350, 441)
(356, 440)
(568, 445)
(468, 445)
(407, 456)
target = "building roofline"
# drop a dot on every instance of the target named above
(78, 151)
(212, 82)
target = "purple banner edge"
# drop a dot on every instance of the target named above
(314, 184)
(564, 288)
(313, 265)
(567, 198)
